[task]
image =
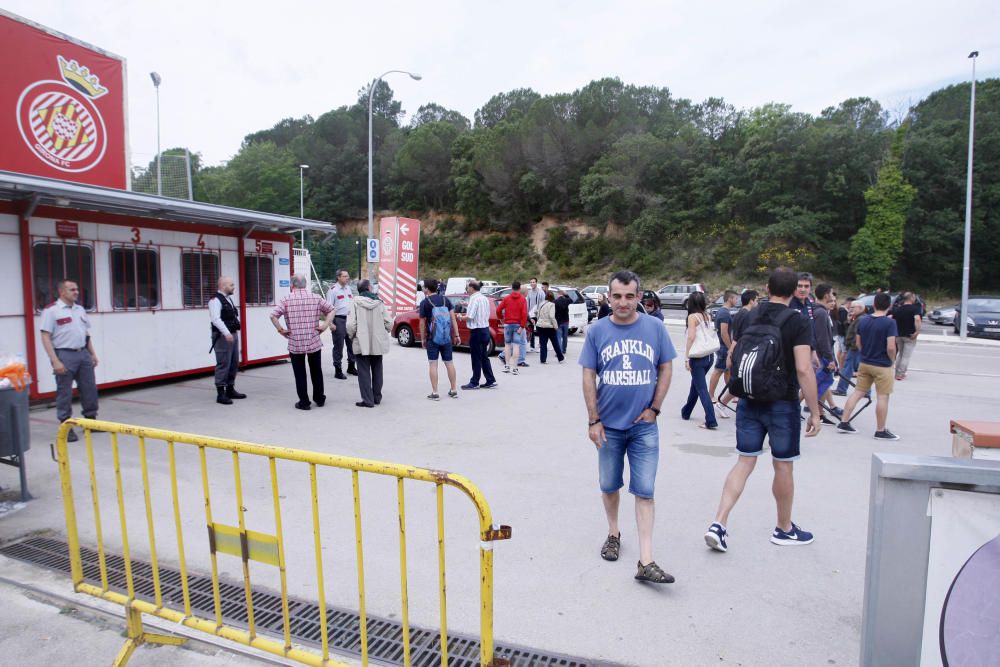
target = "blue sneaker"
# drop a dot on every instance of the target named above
(793, 538)
(716, 537)
(838, 412)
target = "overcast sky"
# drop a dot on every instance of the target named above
(231, 68)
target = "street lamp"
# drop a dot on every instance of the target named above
(964, 312)
(302, 202)
(159, 179)
(357, 245)
(371, 214)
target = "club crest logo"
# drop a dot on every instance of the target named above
(387, 245)
(60, 122)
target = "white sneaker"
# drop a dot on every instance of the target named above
(506, 369)
(514, 371)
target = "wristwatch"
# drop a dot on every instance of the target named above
(656, 411)
(594, 423)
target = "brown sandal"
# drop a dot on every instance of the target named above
(653, 573)
(611, 547)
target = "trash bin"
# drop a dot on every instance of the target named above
(14, 432)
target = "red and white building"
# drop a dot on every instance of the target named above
(146, 265)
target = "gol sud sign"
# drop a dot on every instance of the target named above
(62, 107)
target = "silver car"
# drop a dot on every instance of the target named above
(944, 314)
(676, 296)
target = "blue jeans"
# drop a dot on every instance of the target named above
(849, 370)
(699, 391)
(642, 444)
(779, 421)
(563, 336)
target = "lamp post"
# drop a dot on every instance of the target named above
(371, 214)
(302, 203)
(964, 312)
(357, 245)
(159, 178)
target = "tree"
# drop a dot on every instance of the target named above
(505, 106)
(876, 248)
(432, 113)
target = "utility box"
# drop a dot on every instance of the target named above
(932, 576)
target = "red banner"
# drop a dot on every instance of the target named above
(62, 107)
(399, 246)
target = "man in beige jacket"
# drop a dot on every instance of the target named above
(368, 325)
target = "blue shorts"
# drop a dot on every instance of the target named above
(510, 334)
(642, 444)
(720, 358)
(824, 377)
(433, 349)
(779, 421)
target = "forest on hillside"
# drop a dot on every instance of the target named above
(666, 186)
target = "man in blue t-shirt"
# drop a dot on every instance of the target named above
(876, 339)
(724, 328)
(440, 348)
(626, 362)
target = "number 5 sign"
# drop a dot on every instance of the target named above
(373, 251)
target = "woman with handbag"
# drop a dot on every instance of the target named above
(545, 328)
(702, 344)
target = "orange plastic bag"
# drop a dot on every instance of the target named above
(17, 373)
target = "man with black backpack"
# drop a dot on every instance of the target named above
(438, 332)
(772, 360)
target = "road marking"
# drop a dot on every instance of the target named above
(977, 375)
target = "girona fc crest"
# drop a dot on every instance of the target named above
(59, 121)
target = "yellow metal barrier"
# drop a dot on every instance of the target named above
(250, 545)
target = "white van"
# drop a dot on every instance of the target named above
(457, 285)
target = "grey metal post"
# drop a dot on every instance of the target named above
(187, 160)
(302, 203)
(159, 171)
(966, 261)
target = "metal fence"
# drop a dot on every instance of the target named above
(249, 545)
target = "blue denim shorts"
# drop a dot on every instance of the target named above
(510, 334)
(779, 421)
(642, 444)
(720, 358)
(433, 349)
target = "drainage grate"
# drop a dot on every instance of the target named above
(385, 637)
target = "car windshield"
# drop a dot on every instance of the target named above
(984, 306)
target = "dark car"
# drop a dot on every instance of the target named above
(406, 326)
(714, 307)
(983, 319)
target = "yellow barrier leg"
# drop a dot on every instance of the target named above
(137, 637)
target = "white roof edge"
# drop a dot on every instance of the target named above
(152, 205)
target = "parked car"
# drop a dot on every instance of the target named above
(591, 291)
(944, 314)
(676, 296)
(406, 326)
(581, 310)
(983, 319)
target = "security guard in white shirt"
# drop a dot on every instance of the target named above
(66, 339)
(341, 297)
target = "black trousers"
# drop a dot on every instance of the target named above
(549, 336)
(370, 377)
(340, 339)
(315, 372)
(479, 340)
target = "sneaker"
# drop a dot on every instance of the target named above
(900, 377)
(837, 412)
(715, 537)
(826, 420)
(452, 393)
(488, 385)
(793, 538)
(303, 406)
(72, 436)
(845, 427)
(470, 386)
(837, 392)
(433, 397)
(885, 435)
(523, 364)
(805, 409)
(514, 370)
(506, 368)
(721, 411)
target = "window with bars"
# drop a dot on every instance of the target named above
(199, 275)
(135, 278)
(51, 262)
(259, 275)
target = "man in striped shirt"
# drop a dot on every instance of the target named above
(302, 311)
(477, 317)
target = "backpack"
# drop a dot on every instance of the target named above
(440, 323)
(758, 371)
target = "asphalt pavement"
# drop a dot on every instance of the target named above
(524, 444)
